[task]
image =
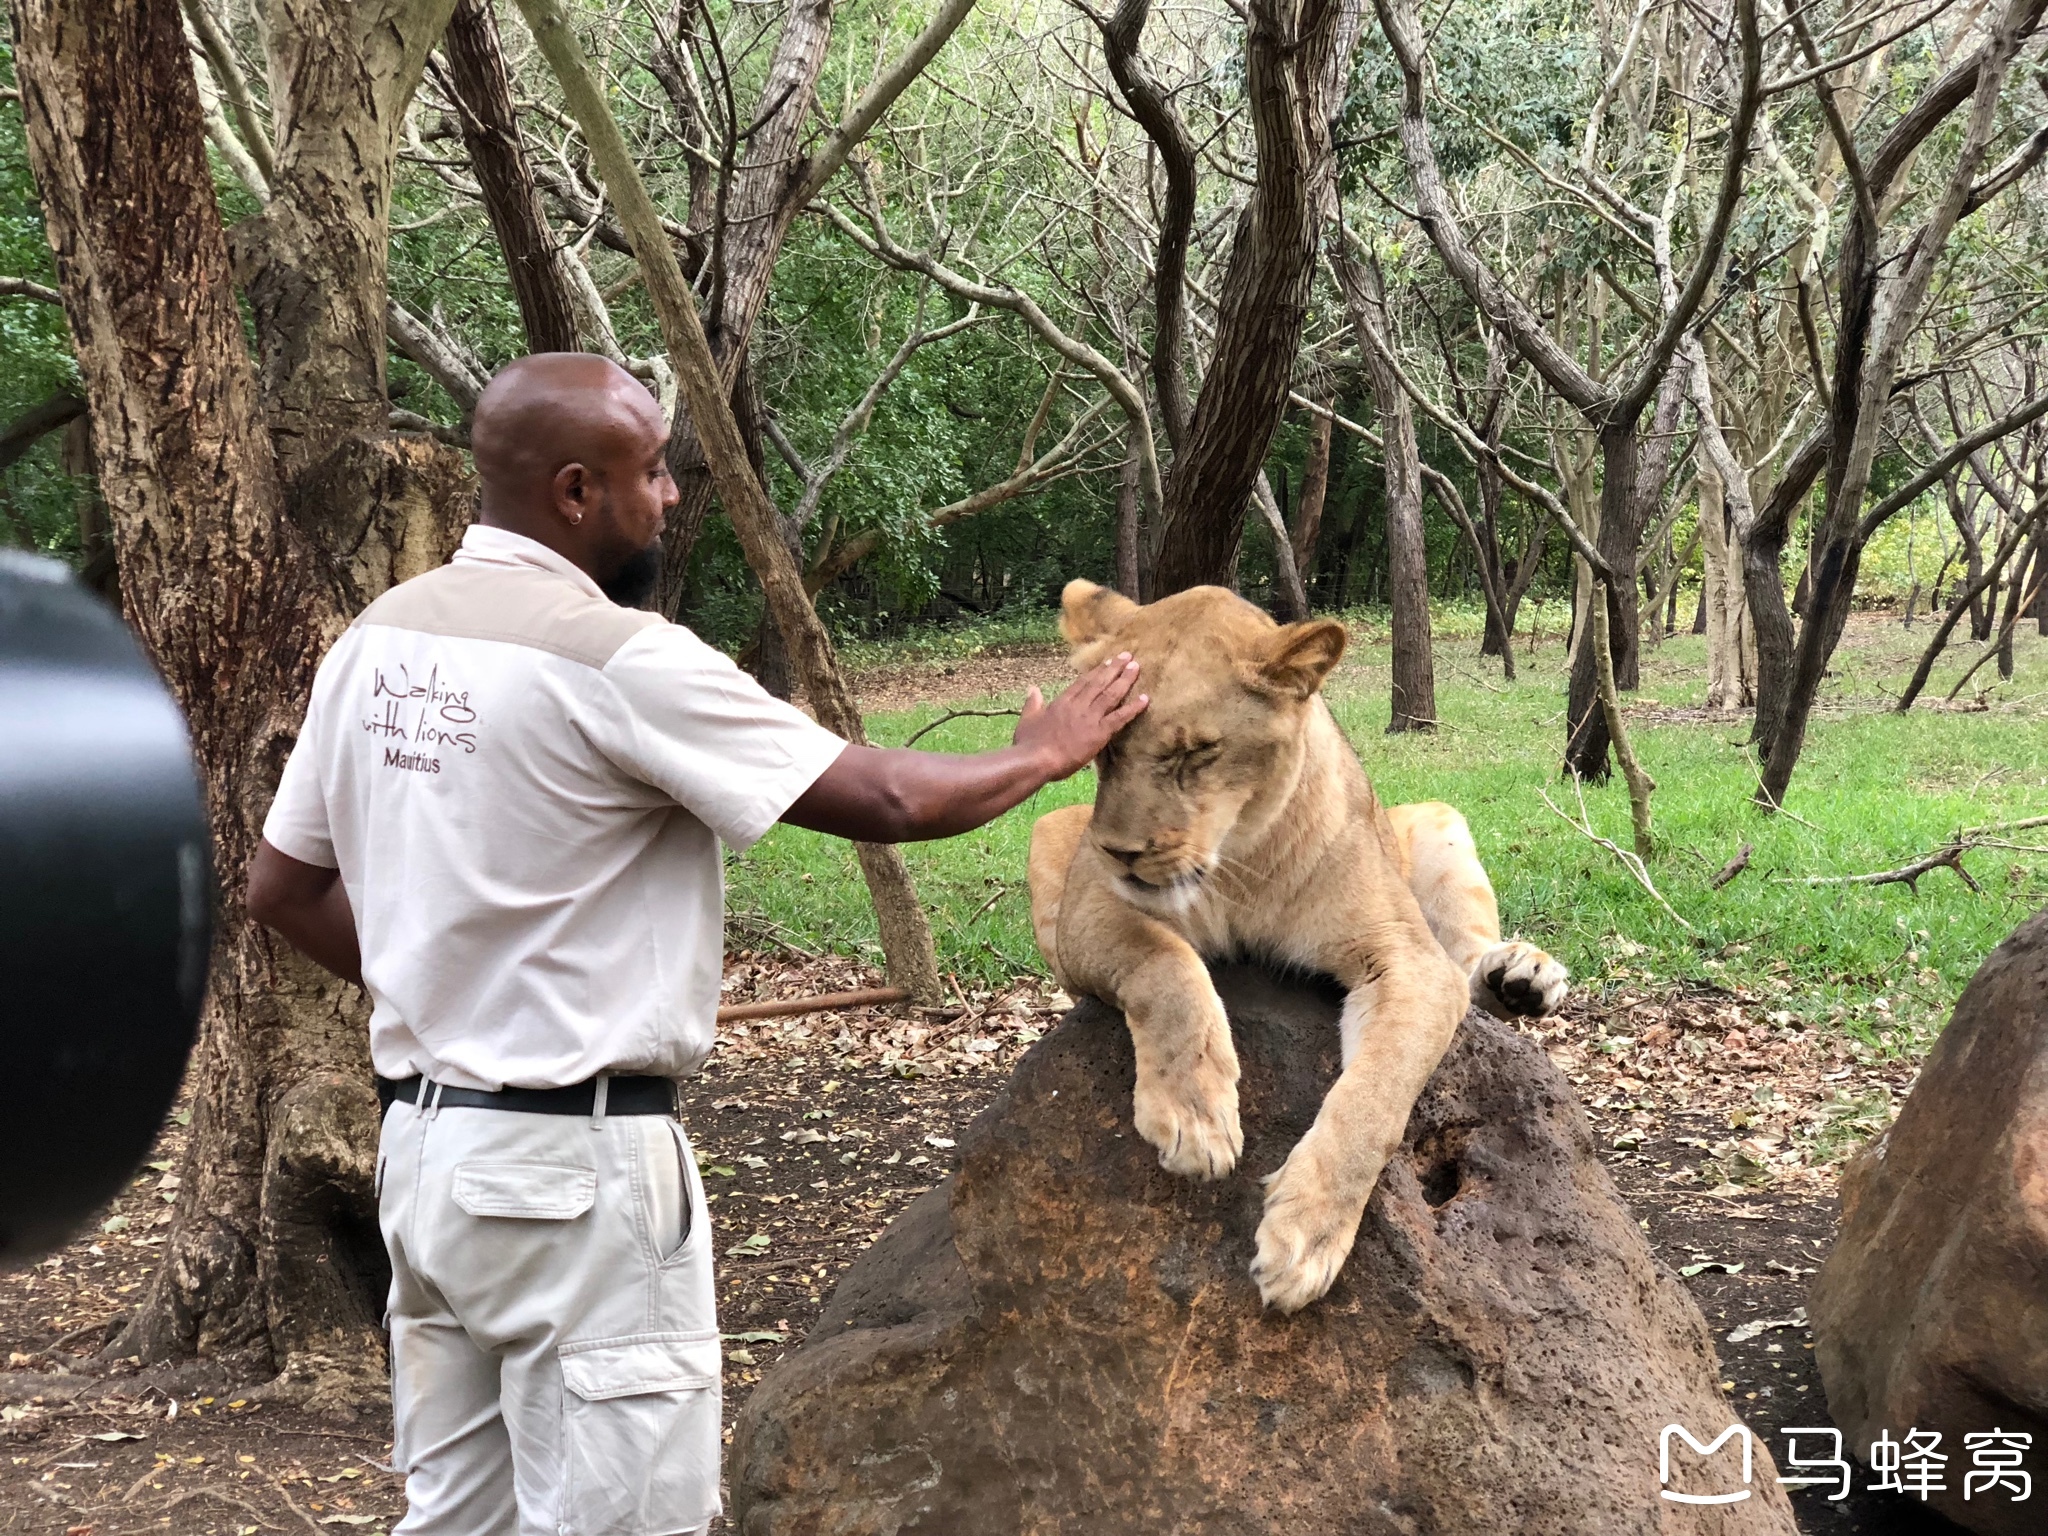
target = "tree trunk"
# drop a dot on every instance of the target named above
(1586, 749)
(1129, 535)
(1315, 490)
(1640, 785)
(906, 936)
(758, 210)
(1500, 625)
(1414, 670)
(1731, 647)
(1962, 510)
(772, 182)
(1827, 611)
(273, 1253)
(1521, 574)
(2021, 589)
(1290, 598)
(1155, 111)
(1633, 471)
(490, 131)
(1294, 78)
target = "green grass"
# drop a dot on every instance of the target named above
(1873, 791)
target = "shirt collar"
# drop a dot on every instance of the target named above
(483, 545)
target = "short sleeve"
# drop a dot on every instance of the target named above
(686, 721)
(297, 824)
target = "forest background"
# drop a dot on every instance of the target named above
(1567, 349)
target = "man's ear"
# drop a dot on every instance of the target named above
(574, 492)
(1301, 655)
(1089, 613)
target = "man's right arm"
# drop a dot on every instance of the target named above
(895, 795)
(308, 905)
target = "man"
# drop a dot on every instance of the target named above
(503, 819)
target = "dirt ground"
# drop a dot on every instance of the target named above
(1724, 1131)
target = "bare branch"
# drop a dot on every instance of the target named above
(436, 352)
(24, 288)
(234, 84)
(881, 94)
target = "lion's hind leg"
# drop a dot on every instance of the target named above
(1508, 978)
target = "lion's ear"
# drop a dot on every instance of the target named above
(1088, 613)
(1301, 656)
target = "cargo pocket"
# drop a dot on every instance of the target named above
(640, 1428)
(528, 1191)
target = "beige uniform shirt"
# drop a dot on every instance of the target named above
(524, 787)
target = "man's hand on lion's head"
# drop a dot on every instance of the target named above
(1070, 731)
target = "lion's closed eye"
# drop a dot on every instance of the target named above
(1183, 764)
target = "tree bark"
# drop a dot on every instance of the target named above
(1586, 747)
(1633, 473)
(1414, 669)
(490, 132)
(1122, 32)
(1500, 621)
(1290, 597)
(1129, 535)
(906, 936)
(273, 1253)
(1731, 643)
(2022, 588)
(1315, 490)
(1640, 785)
(1526, 568)
(1962, 510)
(1294, 70)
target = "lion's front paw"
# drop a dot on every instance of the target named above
(1190, 1115)
(1305, 1235)
(1517, 978)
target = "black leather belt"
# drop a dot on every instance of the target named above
(623, 1096)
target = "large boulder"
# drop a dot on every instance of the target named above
(1931, 1313)
(1062, 1337)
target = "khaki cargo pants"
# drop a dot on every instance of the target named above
(554, 1334)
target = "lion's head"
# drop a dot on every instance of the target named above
(1221, 745)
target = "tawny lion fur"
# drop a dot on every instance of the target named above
(1232, 817)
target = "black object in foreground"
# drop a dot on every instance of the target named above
(105, 903)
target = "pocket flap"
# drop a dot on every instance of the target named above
(534, 1191)
(647, 1362)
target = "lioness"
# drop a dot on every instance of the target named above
(1232, 816)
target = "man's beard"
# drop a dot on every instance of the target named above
(634, 582)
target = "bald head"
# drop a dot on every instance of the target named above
(571, 450)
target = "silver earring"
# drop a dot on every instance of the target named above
(577, 518)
